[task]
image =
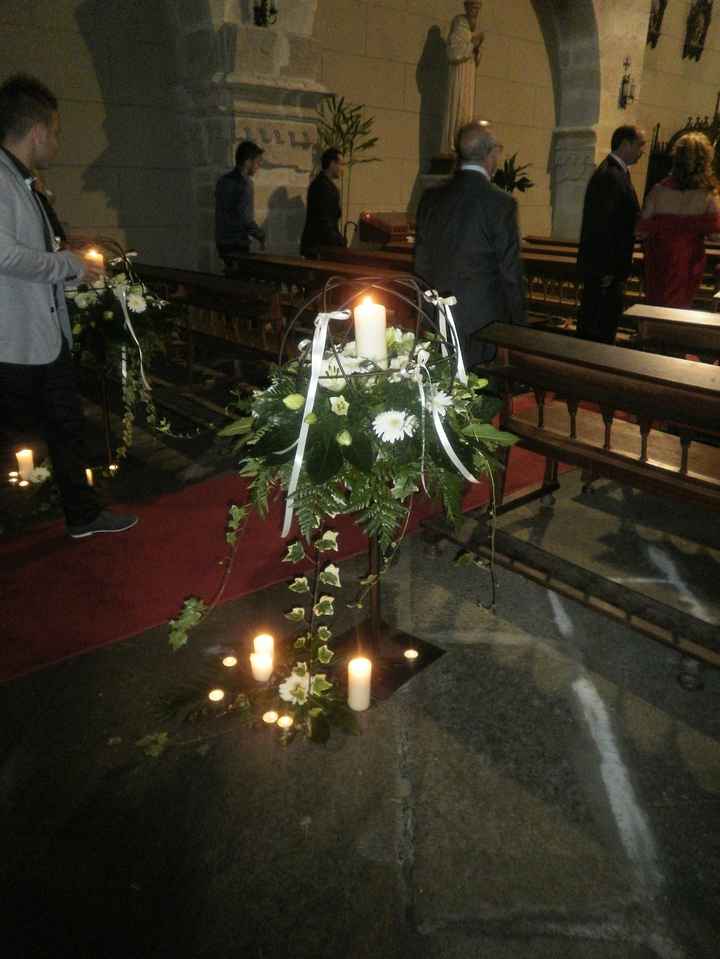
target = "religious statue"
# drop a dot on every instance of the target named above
(698, 23)
(463, 51)
(657, 13)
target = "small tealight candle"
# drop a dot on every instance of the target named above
(264, 643)
(89, 477)
(270, 717)
(13, 473)
(216, 695)
(25, 463)
(24, 483)
(370, 331)
(230, 661)
(285, 722)
(113, 467)
(13, 480)
(262, 666)
(359, 674)
(411, 654)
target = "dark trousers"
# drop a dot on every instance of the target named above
(45, 399)
(600, 309)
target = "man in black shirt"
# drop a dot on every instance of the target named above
(235, 224)
(323, 207)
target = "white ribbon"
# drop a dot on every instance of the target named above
(121, 296)
(445, 317)
(441, 434)
(322, 321)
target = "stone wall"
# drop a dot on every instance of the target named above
(122, 170)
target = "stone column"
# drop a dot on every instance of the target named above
(241, 82)
(573, 161)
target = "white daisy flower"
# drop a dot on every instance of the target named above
(394, 425)
(439, 401)
(39, 475)
(136, 303)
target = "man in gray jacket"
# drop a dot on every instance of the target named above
(37, 376)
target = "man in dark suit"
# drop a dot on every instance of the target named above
(235, 224)
(467, 243)
(323, 207)
(607, 237)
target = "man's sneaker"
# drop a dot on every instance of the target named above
(105, 522)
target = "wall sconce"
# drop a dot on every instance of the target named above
(627, 86)
(265, 13)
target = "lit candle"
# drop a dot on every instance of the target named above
(13, 473)
(216, 695)
(25, 463)
(113, 467)
(89, 476)
(285, 722)
(94, 256)
(264, 643)
(411, 654)
(229, 661)
(262, 666)
(370, 331)
(359, 673)
(13, 480)
(24, 483)
(270, 717)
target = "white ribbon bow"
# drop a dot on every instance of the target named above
(443, 304)
(322, 321)
(440, 430)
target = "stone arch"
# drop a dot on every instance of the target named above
(572, 39)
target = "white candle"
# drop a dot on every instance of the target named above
(94, 256)
(13, 480)
(262, 666)
(25, 463)
(270, 717)
(264, 643)
(89, 476)
(285, 722)
(24, 483)
(370, 331)
(359, 673)
(411, 654)
(229, 662)
(216, 695)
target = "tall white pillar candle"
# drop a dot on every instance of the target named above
(359, 674)
(262, 666)
(25, 463)
(264, 643)
(370, 331)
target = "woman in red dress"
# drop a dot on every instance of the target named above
(679, 213)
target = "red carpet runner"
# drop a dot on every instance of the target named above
(60, 597)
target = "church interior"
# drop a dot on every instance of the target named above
(534, 772)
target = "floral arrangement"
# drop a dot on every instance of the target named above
(115, 321)
(372, 443)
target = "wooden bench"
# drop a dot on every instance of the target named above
(675, 332)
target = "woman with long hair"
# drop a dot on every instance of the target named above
(679, 212)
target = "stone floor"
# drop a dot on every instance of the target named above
(544, 790)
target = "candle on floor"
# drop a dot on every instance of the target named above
(89, 476)
(359, 674)
(229, 661)
(262, 666)
(370, 331)
(25, 463)
(13, 480)
(24, 483)
(270, 717)
(216, 695)
(264, 643)
(13, 473)
(285, 722)
(411, 655)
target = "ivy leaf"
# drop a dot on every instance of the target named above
(300, 669)
(330, 576)
(328, 541)
(295, 553)
(235, 517)
(192, 612)
(238, 428)
(487, 433)
(324, 606)
(299, 585)
(465, 559)
(154, 744)
(325, 654)
(319, 684)
(323, 634)
(369, 580)
(296, 614)
(300, 642)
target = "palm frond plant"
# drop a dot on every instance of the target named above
(341, 124)
(512, 176)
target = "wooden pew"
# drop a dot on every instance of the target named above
(674, 332)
